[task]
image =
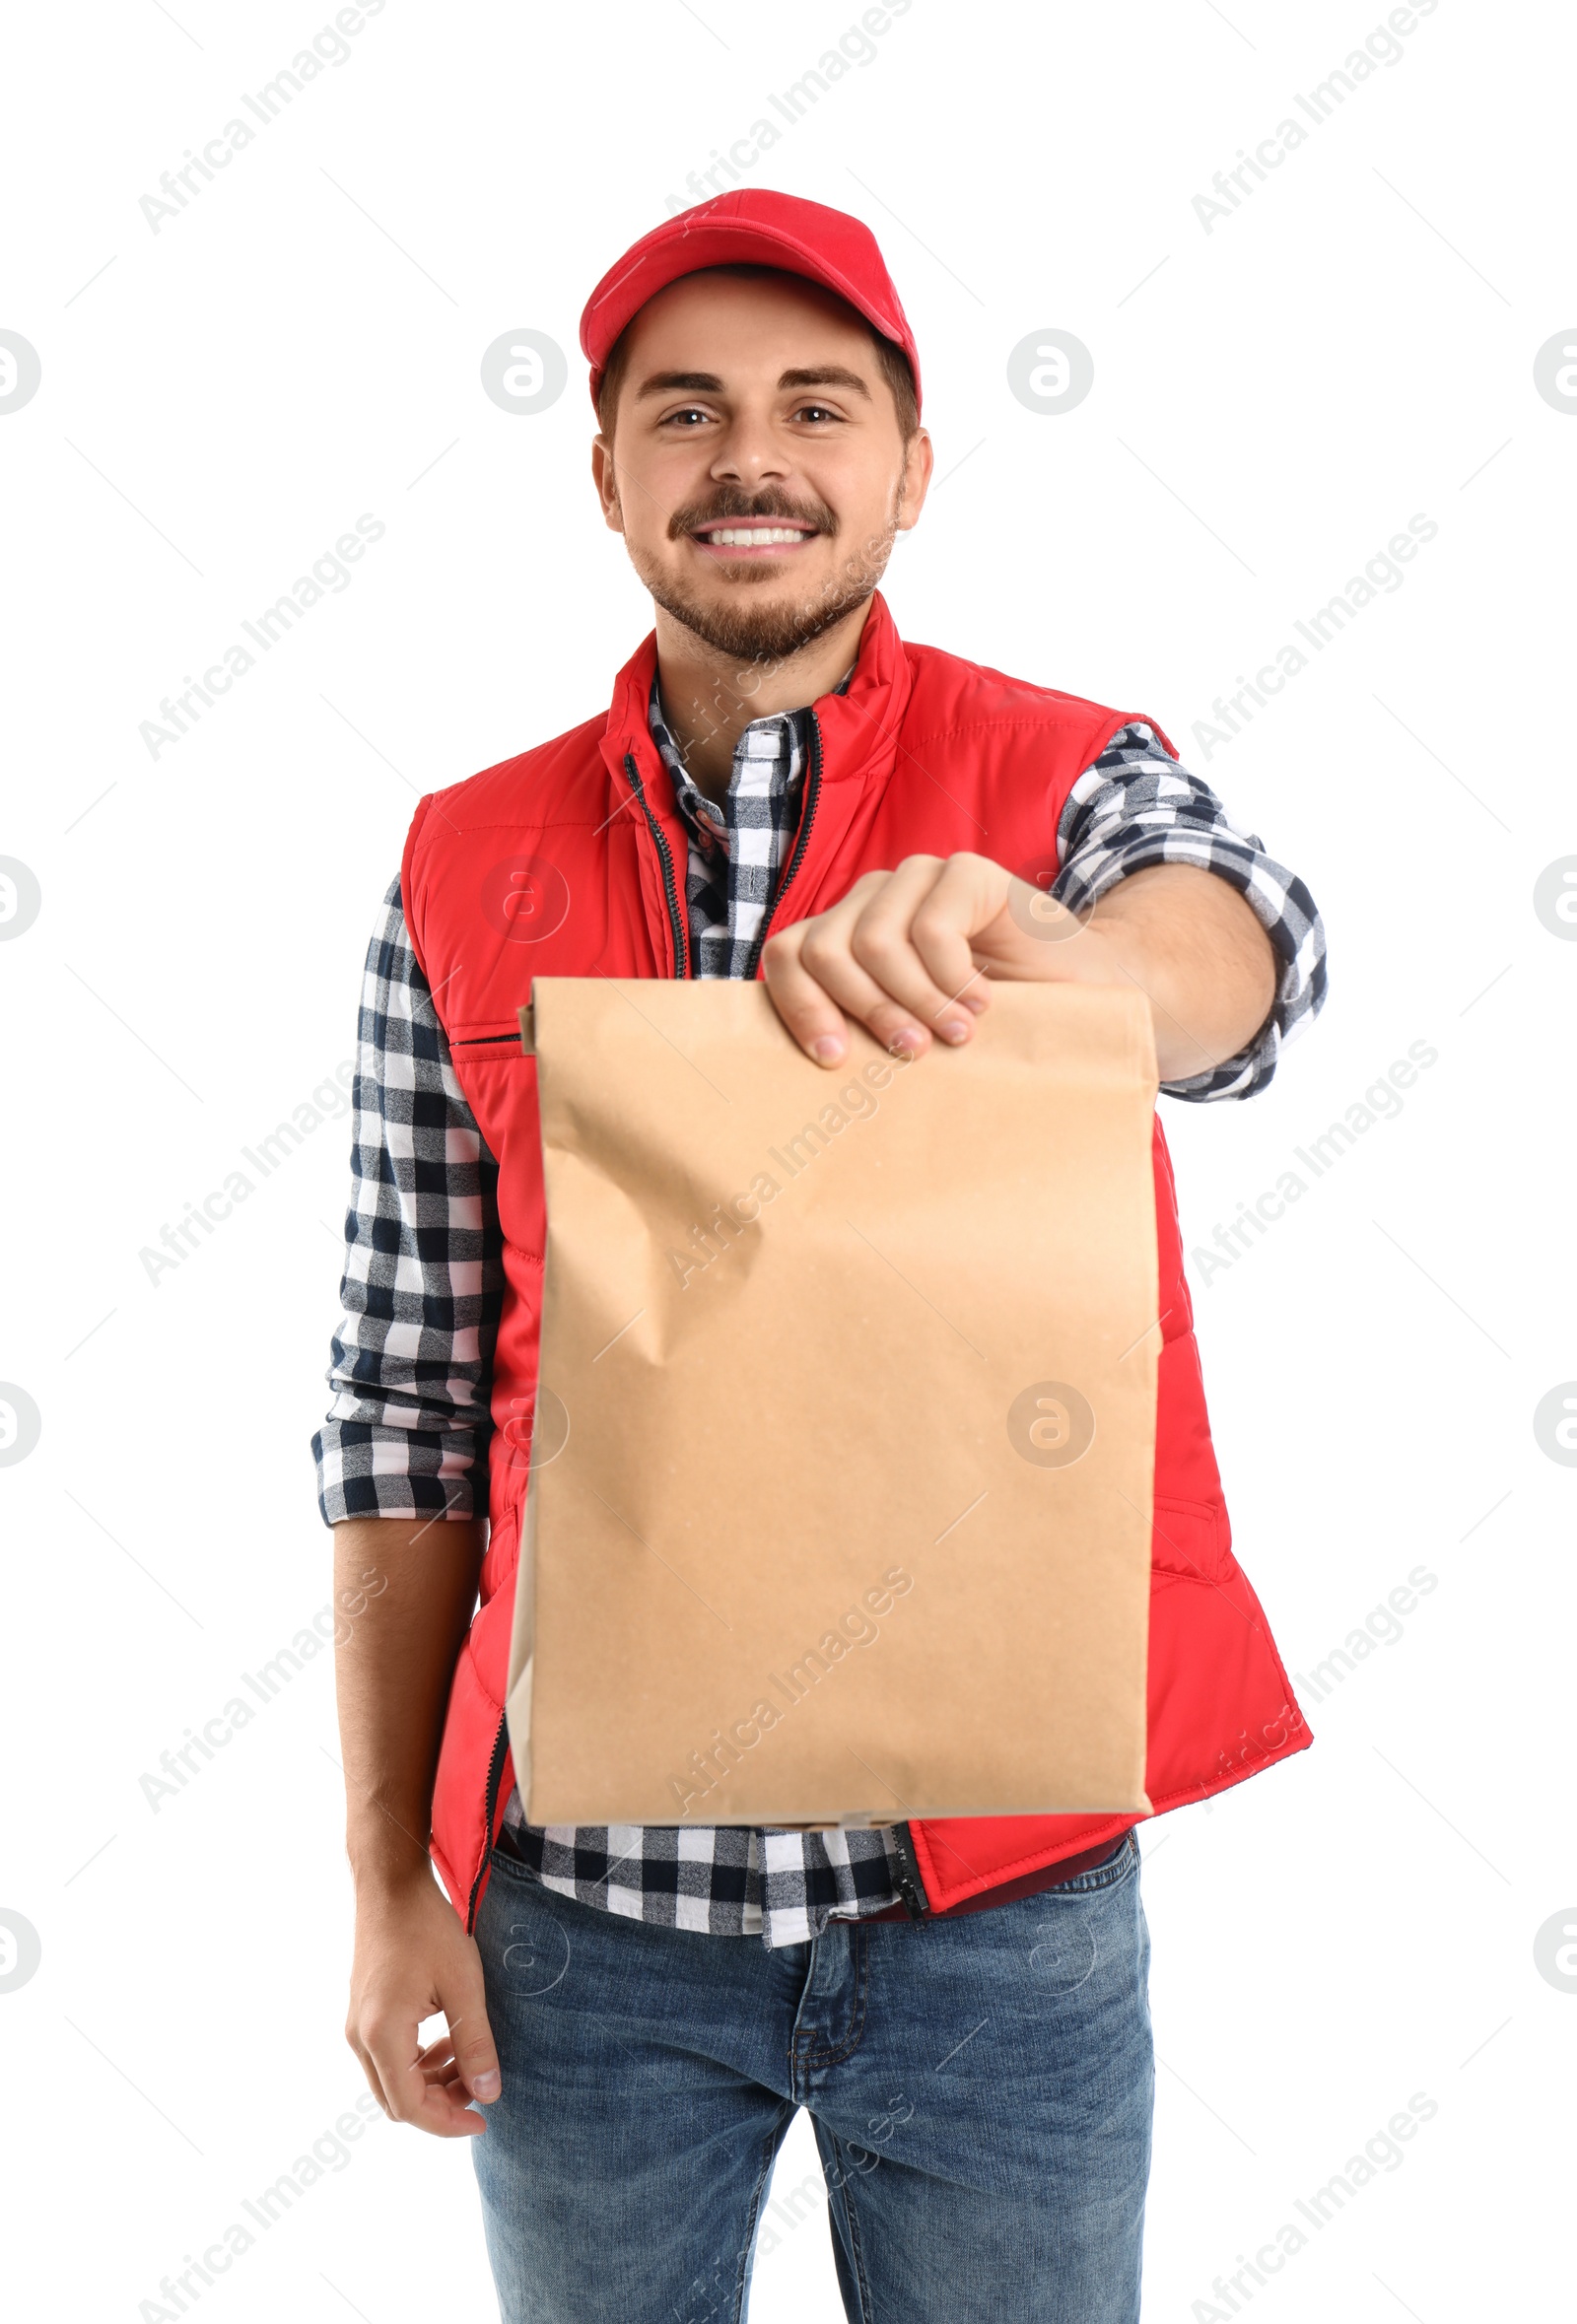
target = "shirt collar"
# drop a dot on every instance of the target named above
(778, 740)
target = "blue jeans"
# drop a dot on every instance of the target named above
(981, 2089)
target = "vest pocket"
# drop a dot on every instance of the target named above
(1189, 1540)
(487, 1045)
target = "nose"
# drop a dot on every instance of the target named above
(751, 454)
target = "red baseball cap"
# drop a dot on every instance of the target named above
(754, 226)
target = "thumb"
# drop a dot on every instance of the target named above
(463, 2001)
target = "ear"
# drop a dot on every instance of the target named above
(919, 460)
(605, 476)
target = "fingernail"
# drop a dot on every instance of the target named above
(954, 1029)
(486, 2085)
(827, 1050)
(907, 1041)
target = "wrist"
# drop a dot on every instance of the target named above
(1073, 950)
(385, 1858)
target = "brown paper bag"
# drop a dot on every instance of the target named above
(840, 1499)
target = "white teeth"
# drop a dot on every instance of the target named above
(757, 536)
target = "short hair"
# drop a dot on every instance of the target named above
(891, 360)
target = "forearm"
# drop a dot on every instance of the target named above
(394, 1659)
(1193, 947)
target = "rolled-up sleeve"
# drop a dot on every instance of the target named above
(1136, 806)
(411, 1360)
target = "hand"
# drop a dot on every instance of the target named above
(906, 954)
(911, 954)
(412, 1958)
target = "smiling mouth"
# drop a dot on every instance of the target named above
(738, 536)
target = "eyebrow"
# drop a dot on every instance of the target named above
(686, 383)
(829, 375)
(709, 384)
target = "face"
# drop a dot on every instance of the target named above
(757, 470)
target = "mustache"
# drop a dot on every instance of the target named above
(734, 501)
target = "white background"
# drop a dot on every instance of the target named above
(220, 400)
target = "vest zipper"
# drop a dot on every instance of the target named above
(910, 1884)
(671, 889)
(796, 857)
(495, 1777)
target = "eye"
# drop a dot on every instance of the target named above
(690, 412)
(816, 411)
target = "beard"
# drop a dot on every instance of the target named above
(741, 627)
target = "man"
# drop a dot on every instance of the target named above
(780, 787)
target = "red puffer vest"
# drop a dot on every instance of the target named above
(569, 860)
